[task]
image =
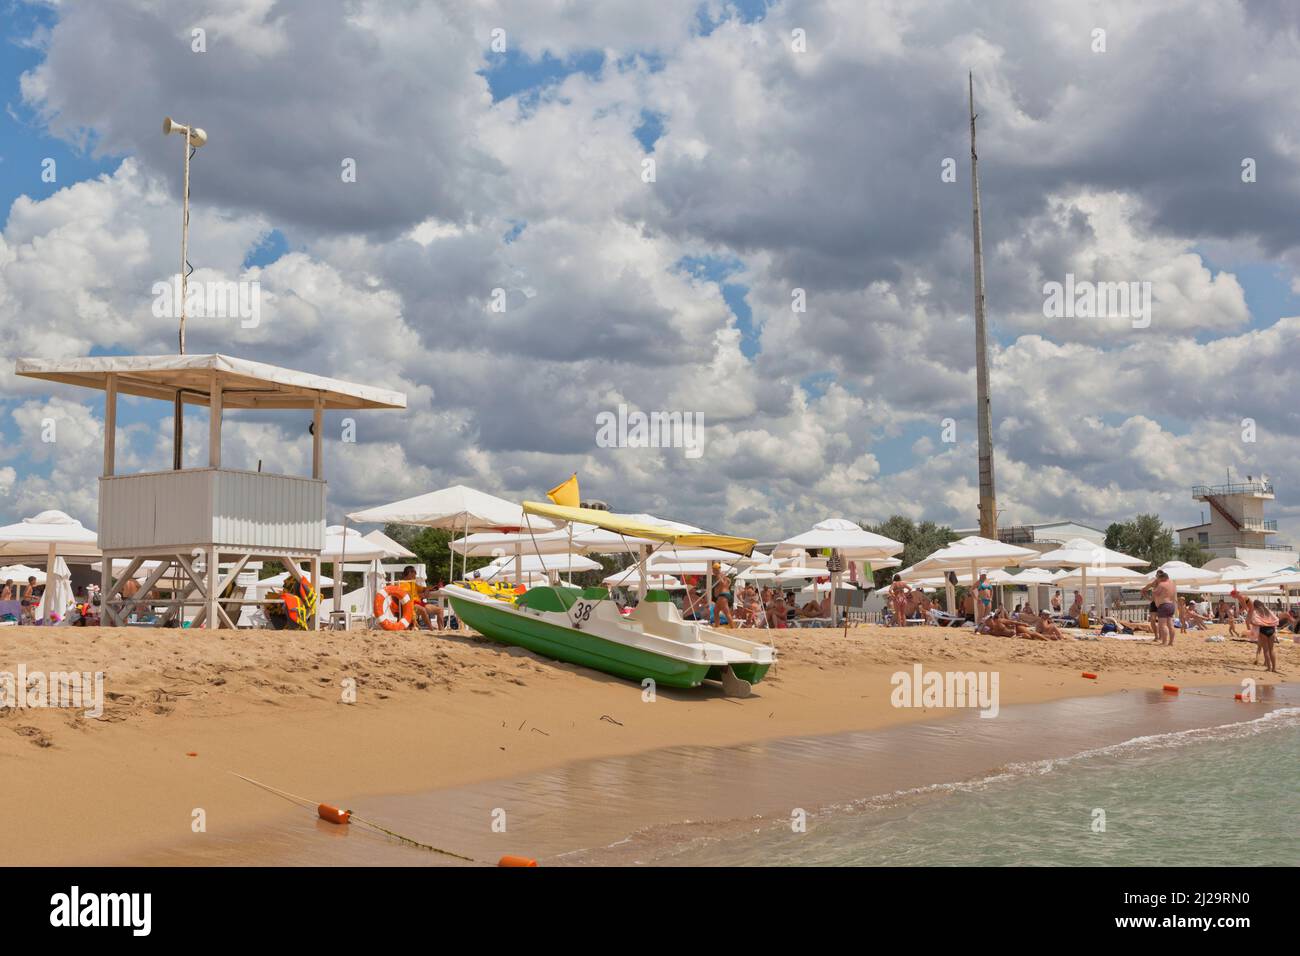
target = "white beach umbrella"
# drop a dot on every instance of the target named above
(19, 573)
(456, 508)
(54, 534)
(838, 534)
(1089, 560)
(508, 567)
(348, 543)
(1082, 553)
(846, 540)
(1182, 573)
(972, 553)
(631, 578)
(57, 597)
(392, 548)
(48, 533)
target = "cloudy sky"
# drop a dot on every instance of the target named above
(799, 152)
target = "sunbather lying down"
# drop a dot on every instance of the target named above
(999, 625)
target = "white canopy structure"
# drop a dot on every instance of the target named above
(970, 554)
(508, 568)
(631, 578)
(457, 508)
(19, 573)
(392, 548)
(48, 533)
(845, 539)
(56, 535)
(1091, 560)
(1182, 573)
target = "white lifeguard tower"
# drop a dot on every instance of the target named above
(214, 515)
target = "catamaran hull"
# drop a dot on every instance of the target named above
(590, 650)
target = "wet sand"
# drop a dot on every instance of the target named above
(660, 805)
(440, 712)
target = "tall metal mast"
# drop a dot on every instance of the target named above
(983, 410)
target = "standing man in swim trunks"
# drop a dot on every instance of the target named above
(1164, 596)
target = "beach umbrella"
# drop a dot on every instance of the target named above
(631, 578)
(509, 568)
(1089, 559)
(57, 596)
(1182, 573)
(1286, 581)
(457, 508)
(971, 553)
(49, 533)
(54, 534)
(341, 543)
(1034, 578)
(393, 549)
(19, 573)
(845, 540)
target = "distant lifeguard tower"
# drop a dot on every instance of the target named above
(1236, 527)
(191, 520)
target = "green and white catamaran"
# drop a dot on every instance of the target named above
(585, 626)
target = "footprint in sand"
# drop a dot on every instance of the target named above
(38, 736)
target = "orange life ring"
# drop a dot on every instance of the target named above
(400, 599)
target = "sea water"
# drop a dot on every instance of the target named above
(1221, 796)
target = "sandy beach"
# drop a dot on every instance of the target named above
(184, 709)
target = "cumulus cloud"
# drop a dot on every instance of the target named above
(814, 177)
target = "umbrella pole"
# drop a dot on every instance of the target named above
(1084, 609)
(46, 596)
(519, 563)
(974, 584)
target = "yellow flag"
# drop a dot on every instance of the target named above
(566, 492)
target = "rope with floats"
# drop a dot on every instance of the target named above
(334, 815)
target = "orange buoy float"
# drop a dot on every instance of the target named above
(1090, 675)
(1171, 688)
(516, 861)
(333, 814)
(394, 609)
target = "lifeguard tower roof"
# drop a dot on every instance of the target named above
(243, 383)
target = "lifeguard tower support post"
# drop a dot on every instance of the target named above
(214, 514)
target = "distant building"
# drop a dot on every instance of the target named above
(1044, 537)
(1237, 527)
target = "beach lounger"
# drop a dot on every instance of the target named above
(944, 619)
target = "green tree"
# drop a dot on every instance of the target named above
(1193, 554)
(1144, 537)
(919, 540)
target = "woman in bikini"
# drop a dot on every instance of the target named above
(985, 596)
(1264, 623)
(898, 592)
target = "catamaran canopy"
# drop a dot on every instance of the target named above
(622, 524)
